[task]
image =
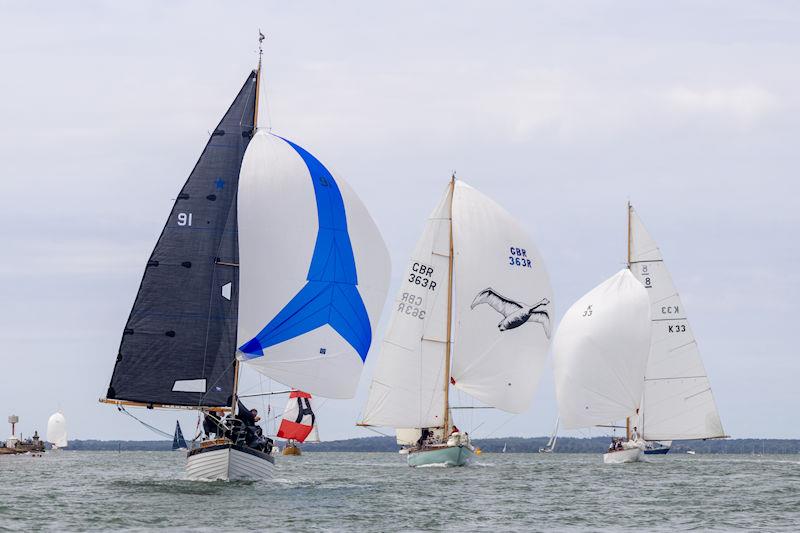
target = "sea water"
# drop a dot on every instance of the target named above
(67, 490)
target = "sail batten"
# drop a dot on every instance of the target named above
(182, 327)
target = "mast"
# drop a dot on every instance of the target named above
(261, 38)
(234, 396)
(628, 419)
(449, 314)
(629, 229)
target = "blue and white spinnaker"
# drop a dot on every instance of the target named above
(314, 270)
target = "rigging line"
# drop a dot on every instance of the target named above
(495, 430)
(145, 424)
(370, 428)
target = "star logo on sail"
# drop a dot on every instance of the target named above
(514, 313)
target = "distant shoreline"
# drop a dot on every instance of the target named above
(512, 444)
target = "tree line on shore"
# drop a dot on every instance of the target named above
(512, 445)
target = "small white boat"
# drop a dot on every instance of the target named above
(691, 452)
(629, 452)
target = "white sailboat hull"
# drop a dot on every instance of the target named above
(228, 462)
(630, 455)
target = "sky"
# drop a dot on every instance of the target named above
(561, 111)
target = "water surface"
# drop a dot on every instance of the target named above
(376, 492)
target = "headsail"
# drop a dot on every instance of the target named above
(178, 442)
(178, 345)
(677, 401)
(57, 430)
(600, 353)
(314, 270)
(407, 389)
(298, 421)
(503, 304)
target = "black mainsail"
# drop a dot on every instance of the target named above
(178, 345)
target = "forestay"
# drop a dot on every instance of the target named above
(314, 270)
(178, 345)
(677, 401)
(407, 389)
(503, 303)
(600, 353)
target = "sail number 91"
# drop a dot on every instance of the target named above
(409, 304)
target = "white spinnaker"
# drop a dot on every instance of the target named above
(278, 227)
(600, 353)
(57, 430)
(407, 389)
(677, 402)
(499, 275)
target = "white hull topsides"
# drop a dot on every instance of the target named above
(228, 462)
(629, 455)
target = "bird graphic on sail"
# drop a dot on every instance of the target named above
(514, 313)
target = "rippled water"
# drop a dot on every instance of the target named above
(377, 492)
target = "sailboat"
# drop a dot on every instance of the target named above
(504, 448)
(551, 443)
(473, 312)
(268, 262)
(57, 431)
(298, 422)
(623, 366)
(178, 442)
(677, 402)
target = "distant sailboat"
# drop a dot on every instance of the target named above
(475, 267)
(267, 260)
(298, 423)
(57, 431)
(178, 442)
(504, 448)
(551, 443)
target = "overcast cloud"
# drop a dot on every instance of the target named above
(561, 111)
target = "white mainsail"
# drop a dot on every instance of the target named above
(502, 311)
(313, 274)
(600, 353)
(407, 388)
(677, 401)
(57, 430)
(503, 304)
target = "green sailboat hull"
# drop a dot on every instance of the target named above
(446, 456)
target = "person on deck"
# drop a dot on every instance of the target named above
(211, 424)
